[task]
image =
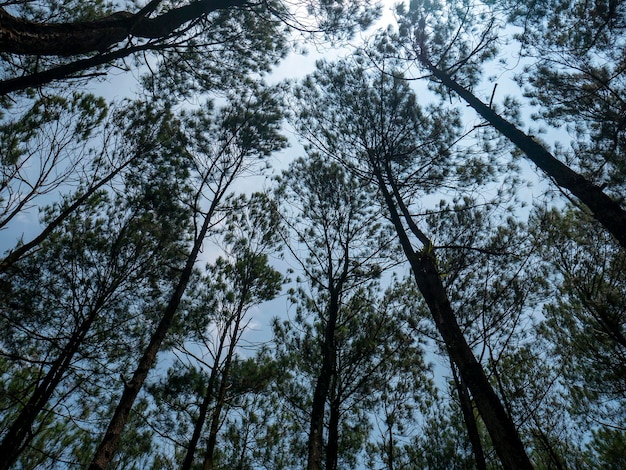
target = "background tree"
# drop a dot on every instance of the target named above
(139, 137)
(341, 247)
(224, 147)
(44, 147)
(585, 326)
(230, 288)
(447, 43)
(98, 273)
(377, 128)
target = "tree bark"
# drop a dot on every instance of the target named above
(605, 210)
(506, 440)
(332, 447)
(24, 37)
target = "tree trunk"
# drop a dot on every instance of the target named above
(390, 449)
(22, 250)
(20, 36)
(470, 419)
(500, 426)
(219, 404)
(110, 440)
(203, 411)
(69, 70)
(332, 447)
(320, 395)
(605, 210)
(20, 432)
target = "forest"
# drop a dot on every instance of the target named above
(411, 257)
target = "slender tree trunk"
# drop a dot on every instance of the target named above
(605, 210)
(470, 420)
(69, 70)
(547, 445)
(22, 250)
(110, 440)
(320, 395)
(390, 449)
(20, 433)
(221, 396)
(500, 426)
(204, 407)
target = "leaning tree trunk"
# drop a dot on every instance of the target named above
(24, 37)
(504, 435)
(469, 418)
(20, 432)
(605, 210)
(98, 38)
(108, 445)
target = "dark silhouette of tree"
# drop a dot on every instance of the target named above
(233, 286)
(69, 41)
(344, 246)
(224, 148)
(445, 46)
(72, 292)
(376, 128)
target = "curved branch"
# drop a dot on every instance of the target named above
(24, 37)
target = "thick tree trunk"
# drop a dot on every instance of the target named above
(500, 426)
(322, 387)
(20, 36)
(605, 210)
(65, 39)
(110, 440)
(332, 447)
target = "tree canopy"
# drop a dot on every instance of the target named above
(411, 257)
